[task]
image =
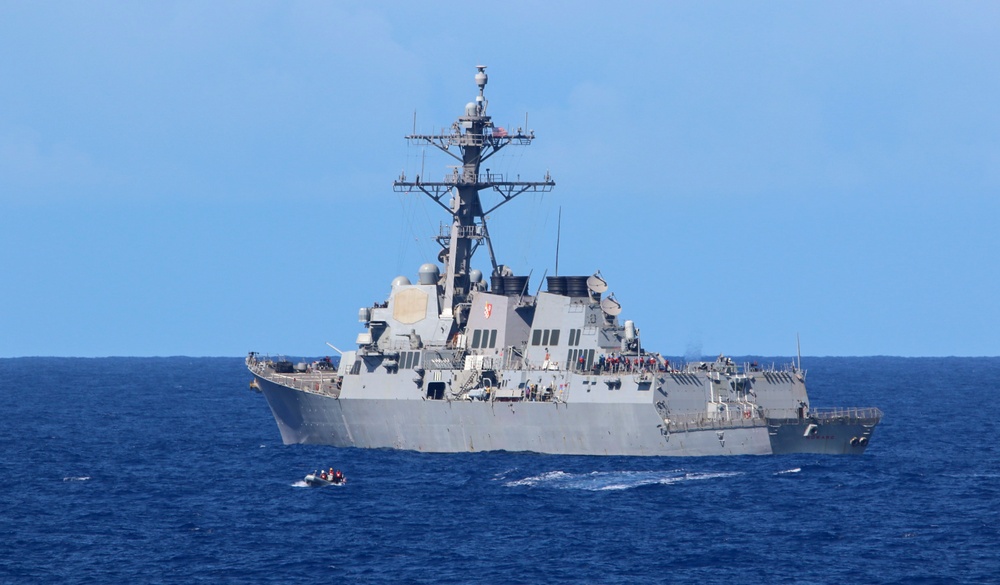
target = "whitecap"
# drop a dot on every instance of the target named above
(548, 476)
(503, 474)
(795, 470)
(77, 478)
(716, 475)
(614, 480)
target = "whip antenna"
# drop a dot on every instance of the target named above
(558, 234)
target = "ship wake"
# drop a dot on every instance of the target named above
(614, 480)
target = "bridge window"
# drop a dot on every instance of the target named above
(545, 337)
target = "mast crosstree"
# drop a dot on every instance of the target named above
(476, 139)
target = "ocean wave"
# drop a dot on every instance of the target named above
(614, 480)
(503, 474)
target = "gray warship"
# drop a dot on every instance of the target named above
(453, 363)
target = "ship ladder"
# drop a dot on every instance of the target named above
(469, 384)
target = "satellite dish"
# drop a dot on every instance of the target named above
(597, 284)
(611, 307)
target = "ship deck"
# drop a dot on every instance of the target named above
(315, 381)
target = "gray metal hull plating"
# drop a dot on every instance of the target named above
(830, 437)
(568, 429)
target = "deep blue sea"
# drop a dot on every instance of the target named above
(169, 470)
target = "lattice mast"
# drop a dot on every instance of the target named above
(476, 140)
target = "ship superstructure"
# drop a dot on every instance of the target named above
(459, 362)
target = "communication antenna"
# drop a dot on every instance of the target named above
(524, 288)
(798, 350)
(475, 140)
(539, 289)
(558, 234)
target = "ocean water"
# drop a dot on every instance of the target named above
(169, 470)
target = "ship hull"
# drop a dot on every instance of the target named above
(544, 427)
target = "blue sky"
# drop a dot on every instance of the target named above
(209, 178)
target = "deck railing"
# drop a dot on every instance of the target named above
(699, 421)
(851, 413)
(325, 382)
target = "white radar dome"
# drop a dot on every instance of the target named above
(429, 273)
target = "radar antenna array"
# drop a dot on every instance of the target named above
(476, 140)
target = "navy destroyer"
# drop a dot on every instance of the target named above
(460, 362)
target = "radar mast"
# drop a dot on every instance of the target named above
(476, 139)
